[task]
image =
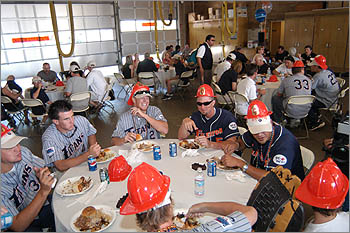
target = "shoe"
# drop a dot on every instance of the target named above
(319, 124)
(166, 97)
(170, 94)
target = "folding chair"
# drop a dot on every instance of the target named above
(337, 106)
(182, 85)
(32, 103)
(341, 82)
(126, 85)
(308, 158)
(301, 100)
(106, 100)
(14, 111)
(80, 102)
(149, 79)
(239, 99)
(223, 100)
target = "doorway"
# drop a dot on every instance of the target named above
(276, 35)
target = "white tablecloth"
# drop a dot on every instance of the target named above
(56, 94)
(165, 75)
(179, 170)
(270, 87)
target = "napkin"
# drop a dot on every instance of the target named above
(190, 153)
(87, 197)
(134, 157)
(236, 175)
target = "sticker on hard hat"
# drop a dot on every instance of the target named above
(280, 159)
(255, 110)
(232, 126)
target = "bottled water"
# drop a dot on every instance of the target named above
(269, 71)
(199, 183)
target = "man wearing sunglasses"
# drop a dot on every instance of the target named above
(141, 121)
(213, 127)
(205, 59)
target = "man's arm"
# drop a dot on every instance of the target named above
(92, 139)
(10, 94)
(221, 144)
(234, 86)
(67, 94)
(186, 128)
(199, 61)
(118, 141)
(159, 125)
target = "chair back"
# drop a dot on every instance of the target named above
(187, 74)
(6, 100)
(341, 82)
(146, 75)
(242, 130)
(343, 92)
(27, 93)
(80, 96)
(239, 98)
(214, 79)
(31, 102)
(216, 88)
(308, 157)
(301, 99)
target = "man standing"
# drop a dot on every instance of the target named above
(147, 65)
(142, 119)
(272, 145)
(225, 65)
(76, 84)
(326, 88)
(205, 60)
(46, 74)
(96, 82)
(69, 140)
(25, 185)
(213, 127)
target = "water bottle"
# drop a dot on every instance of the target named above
(199, 183)
(269, 72)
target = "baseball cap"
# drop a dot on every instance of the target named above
(36, 79)
(298, 64)
(74, 68)
(91, 64)
(258, 117)
(232, 56)
(139, 91)
(320, 61)
(8, 138)
(177, 57)
(205, 90)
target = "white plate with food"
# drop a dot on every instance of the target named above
(105, 155)
(94, 218)
(184, 223)
(221, 166)
(189, 144)
(74, 186)
(144, 146)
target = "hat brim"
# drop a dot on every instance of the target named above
(314, 63)
(7, 144)
(260, 125)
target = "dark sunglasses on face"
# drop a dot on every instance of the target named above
(204, 103)
(142, 92)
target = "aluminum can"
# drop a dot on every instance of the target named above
(263, 79)
(102, 174)
(172, 149)
(156, 153)
(92, 163)
(211, 168)
(6, 220)
(107, 175)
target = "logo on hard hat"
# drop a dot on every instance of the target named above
(202, 91)
(255, 110)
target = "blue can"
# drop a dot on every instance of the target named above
(92, 163)
(211, 168)
(263, 79)
(6, 220)
(172, 149)
(156, 153)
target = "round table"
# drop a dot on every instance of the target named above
(55, 93)
(271, 88)
(179, 170)
(164, 75)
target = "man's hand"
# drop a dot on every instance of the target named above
(230, 161)
(189, 124)
(197, 210)
(262, 91)
(137, 112)
(230, 148)
(201, 70)
(95, 149)
(130, 137)
(203, 141)
(328, 143)
(44, 177)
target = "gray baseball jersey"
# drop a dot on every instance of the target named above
(297, 84)
(59, 146)
(20, 185)
(129, 123)
(326, 87)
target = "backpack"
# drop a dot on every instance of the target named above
(192, 60)
(273, 198)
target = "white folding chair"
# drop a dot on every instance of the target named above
(31, 103)
(80, 102)
(223, 100)
(308, 157)
(125, 84)
(14, 111)
(106, 100)
(182, 85)
(337, 106)
(301, 100)
(149, 79)
(238, 99)
(341, 82)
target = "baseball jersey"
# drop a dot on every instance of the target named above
(284, 151)
(326, 87)
(60, 146)
(297, 84)
(247, 88)
(220, 127)
(20, 185)
(134, 124)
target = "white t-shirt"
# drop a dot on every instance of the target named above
(221, 68)
(283, 69)
(201, 50)
(97, 84)
(339, 224)
(246, 87)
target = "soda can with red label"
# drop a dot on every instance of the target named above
(92, 163)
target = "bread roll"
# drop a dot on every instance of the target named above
(89, 212)
(138, 137)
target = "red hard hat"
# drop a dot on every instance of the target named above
(205, 90)
(137, 86)
(257, 109)
(298, 64)
(324, 187)
(319, 60)
(146, 187)
(118, 169)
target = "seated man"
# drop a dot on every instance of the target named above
(324, 189)
(142, 119)
(285, 68)
(325, 87)
(13, 86)
(280, 54)
(150, 199)
(225, 65)
(147, 65)
(213, 127)
(38, 93)
(96, 82)
(228, 80)
(298, 84)
(25, 185)
(247, 87)
(262, 66)
(46, 74)
(271, 143)
(69, 140)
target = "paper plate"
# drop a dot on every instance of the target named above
(144, 146)
(111, 155)
(65, 187)
(188, 143)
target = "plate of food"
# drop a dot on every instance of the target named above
(189, 144)
(74, 186)
(221, 166)
(93, 219)
(183, 222)
(105, 156)
(144, 146)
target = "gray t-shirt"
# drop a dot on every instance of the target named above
(297, 84)
(326, 87)
(50, 77)
(74, 85)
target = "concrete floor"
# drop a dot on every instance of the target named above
(175, 110)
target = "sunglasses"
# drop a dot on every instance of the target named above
(142, 92)
(204, 103)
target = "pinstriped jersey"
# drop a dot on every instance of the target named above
(220, 127)
(326, 87)
(134, 124)
(59, 146)
(20, 185)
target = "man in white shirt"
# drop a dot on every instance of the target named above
(205, 60)
(285, 68)
(247, 87)
(225, 65)
(95, 82)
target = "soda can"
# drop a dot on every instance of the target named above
(156, 153)
(172, 149)
(92, 163)
(102, 174)
(6, 220)
(211, 168)
(263, 79)
(107, 175)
